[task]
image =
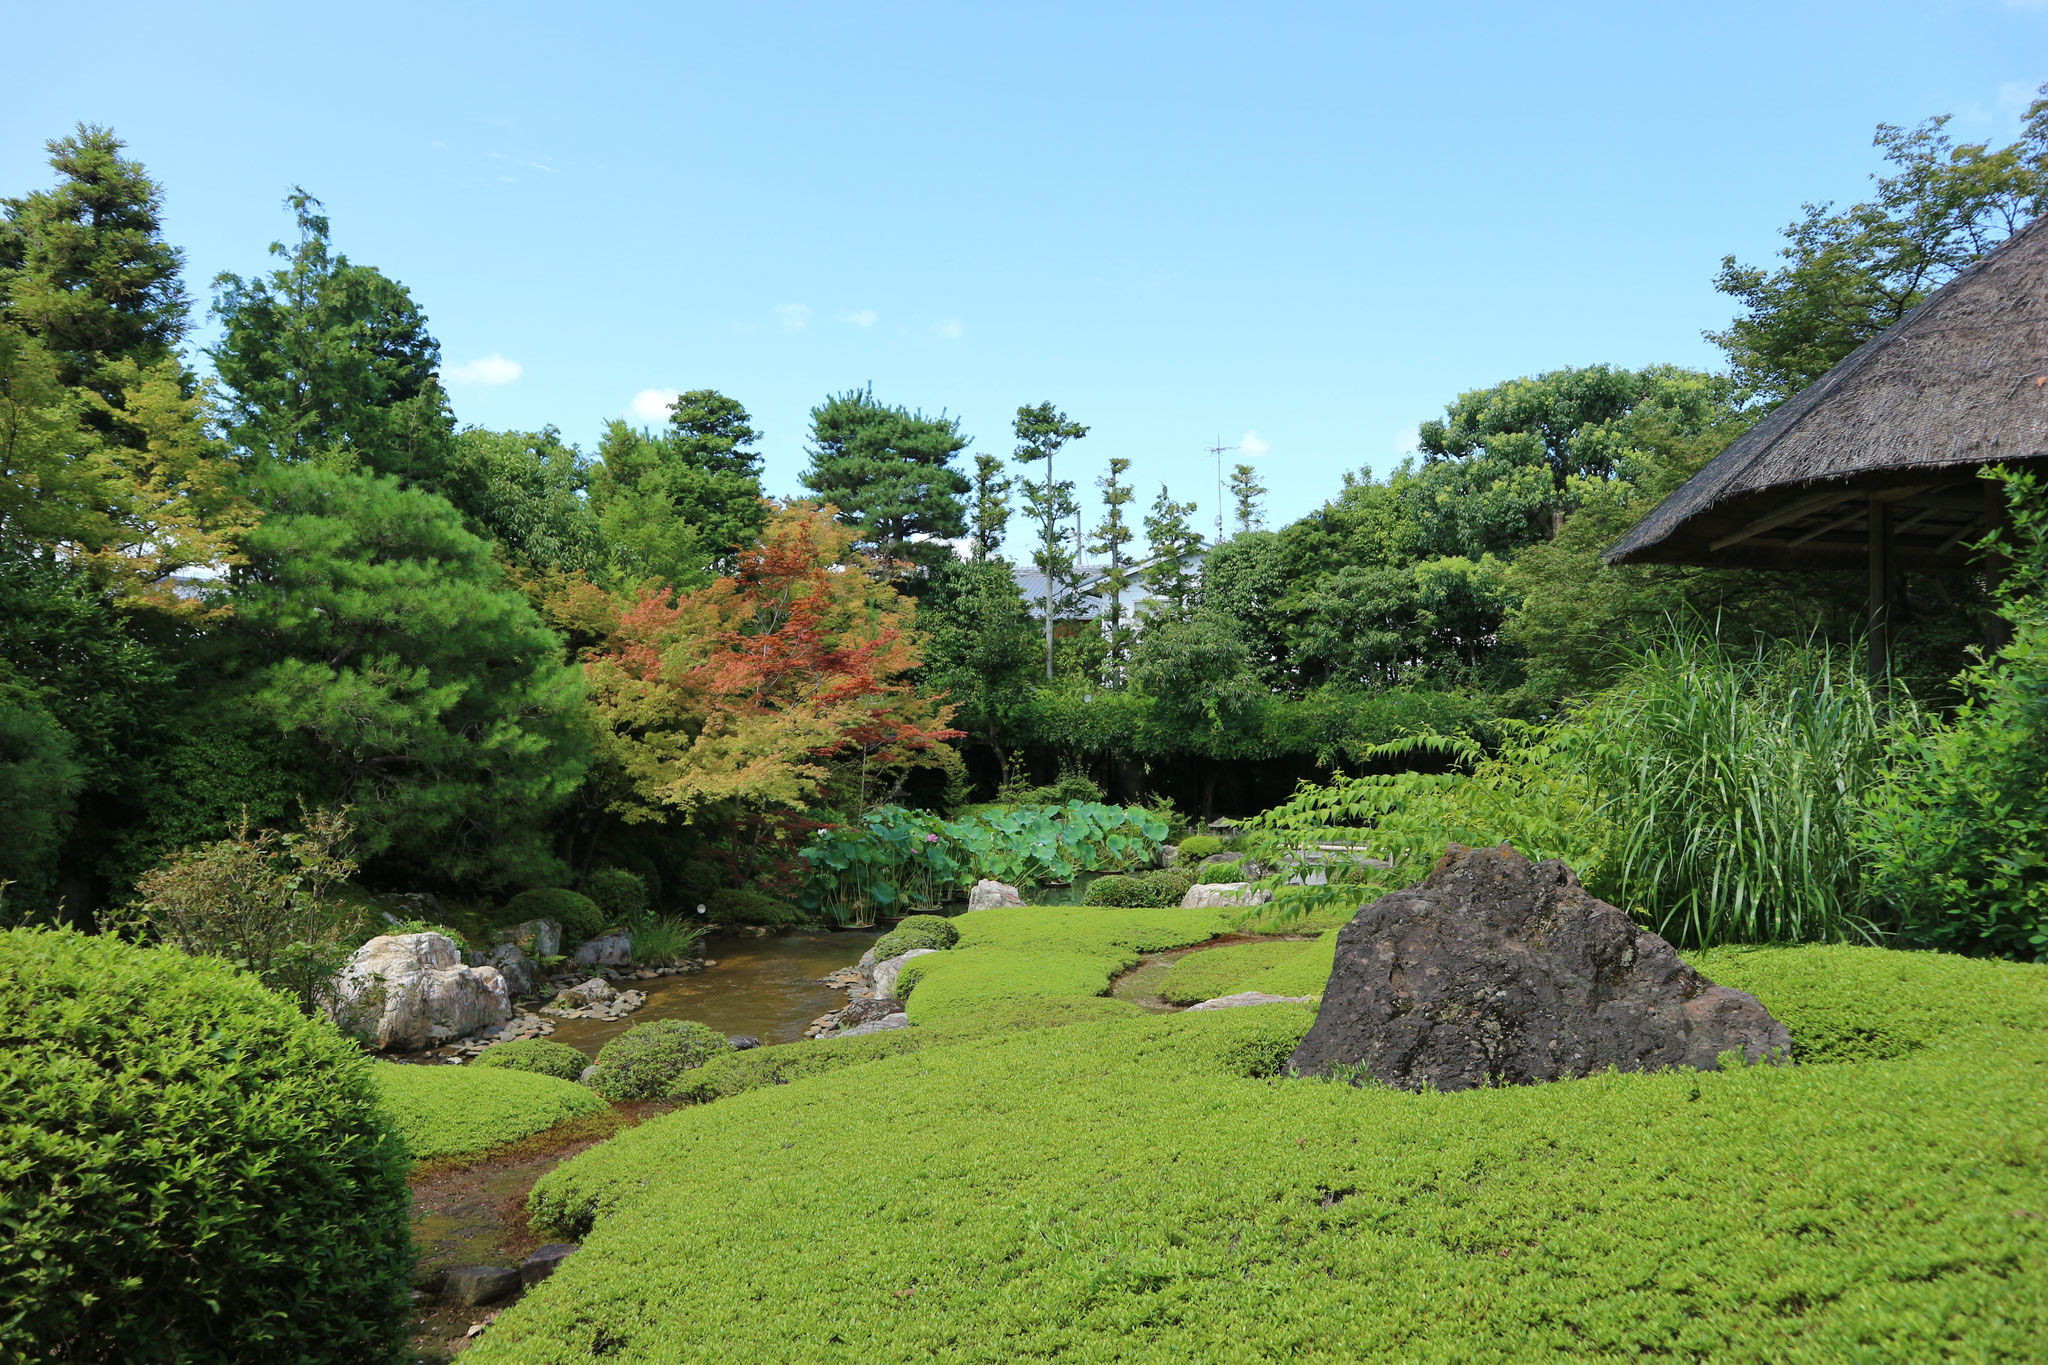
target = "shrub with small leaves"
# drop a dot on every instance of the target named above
(538, 1055)
(191, 1170)
(1139, 890)
(620, 895)
(580, 917)
(643, 1062)
(739, 905)
(916, 931)
(1199, 846)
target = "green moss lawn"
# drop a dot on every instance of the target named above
(448, 1113)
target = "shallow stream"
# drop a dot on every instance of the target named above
(767, 987)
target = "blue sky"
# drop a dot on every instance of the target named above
(1301, 228)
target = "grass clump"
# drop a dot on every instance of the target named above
(581, 917)
(916, 931)
(541, 1056)
(449, 1112)
(647, 1059)
(1148, 1188)
(663, 940)
(180, 1146)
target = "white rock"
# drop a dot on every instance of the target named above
(887, 972)
(1226, 1002)
(1214, 895)
(882, 1025)
(989, 894)
(409, 991)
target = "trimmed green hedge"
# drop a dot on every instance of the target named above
(1196, 847)
(581, 917)
(917, 931)
(447, 1112)
(740, 905)
(1148, 1189)
(542, 1056)
(1140, 890)
(190, 1170)
(621, 896)
(647, 1059)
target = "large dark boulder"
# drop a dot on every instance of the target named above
(1494, 970)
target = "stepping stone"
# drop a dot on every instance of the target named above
(542, 1262)
(474, 1285)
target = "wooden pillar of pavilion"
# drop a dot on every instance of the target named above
(1879, 645)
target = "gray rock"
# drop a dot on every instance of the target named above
(607, 950)
(871, 1008)
(989, 894)
(403, 992)
(596, 991)
(543, 1260)
(866, 963)
(475, 1285)
(743, 1042)
(884, 1025)
(887, 972)
(516, 967)
(539, 937)
(587, 1074)
(1227, 1002)
(1215, 895)
(1169, 854)
(1494, 970)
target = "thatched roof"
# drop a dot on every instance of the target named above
(1958, 383)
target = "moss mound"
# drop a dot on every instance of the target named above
(1178, 1199)
(452, 1112)
(917, 931)
(581, 917)
(740, 905)
(190, 1170)
(1196, 847)
(542, 1056)
(645, 1061)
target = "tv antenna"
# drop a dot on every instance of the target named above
(1219, 450)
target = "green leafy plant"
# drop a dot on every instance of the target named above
(663, 940)
(541, 1056)
(181, 1144)
(418, 926)
(644, 1061)
(261, 899)
(581, 917)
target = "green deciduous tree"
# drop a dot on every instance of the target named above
(981, 651)
(1850, 274)
(524, 490)
(676, 505)
(888, 471)
(330, 362)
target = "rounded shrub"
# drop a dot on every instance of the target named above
(1139, 890)
(738, 905)
(1200, 846)
(542, 1056)
(621, 896)
(580, 916)
(191, 1170)
(644, 1061)
(916, 931)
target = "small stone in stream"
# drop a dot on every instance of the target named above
(1224, 1002)
(542, 1262)
(473, 1285)
(742, 1042)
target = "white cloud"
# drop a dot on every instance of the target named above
(949, 330)
(491, 370)
(1252, 445)
(652, 405)
(795, 316)
(866, 317)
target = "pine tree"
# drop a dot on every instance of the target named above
(1172, 576)
(888, 471)
(1041, 430)
(1245, 493)
(1112, 535)
(989, 514)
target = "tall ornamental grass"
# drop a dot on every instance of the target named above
(1735, 786)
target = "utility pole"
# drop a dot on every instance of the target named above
(1219, 450)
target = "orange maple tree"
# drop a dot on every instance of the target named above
(775, 689)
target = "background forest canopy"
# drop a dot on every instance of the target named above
(274, 575)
